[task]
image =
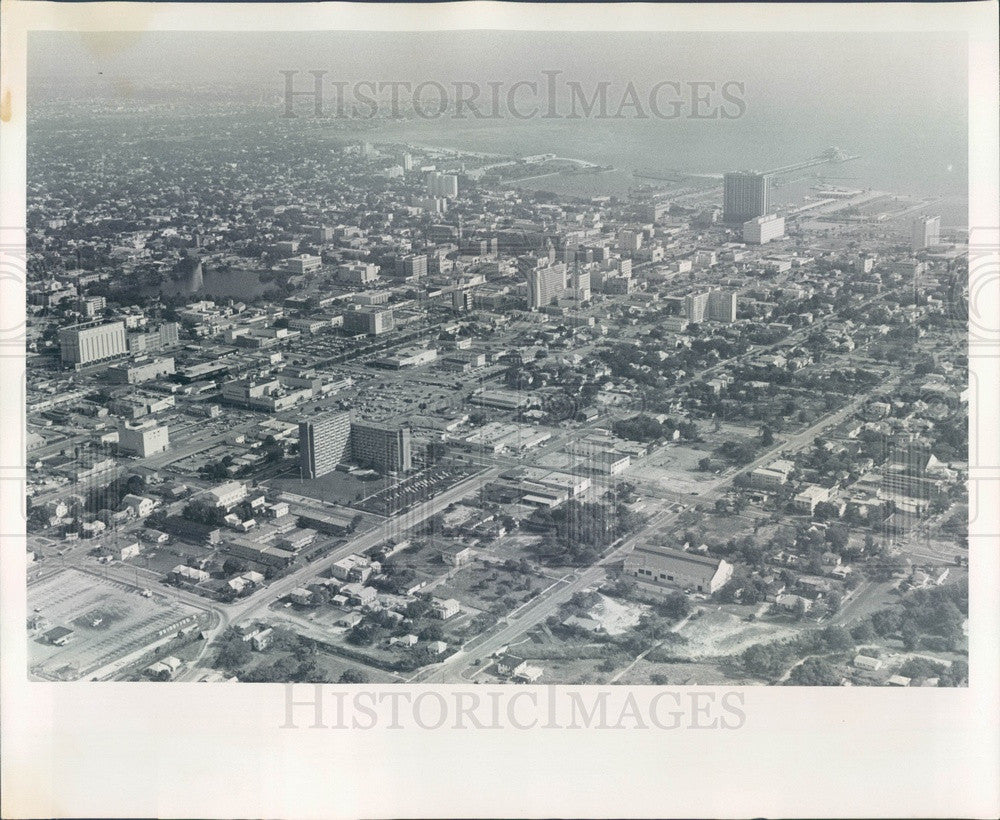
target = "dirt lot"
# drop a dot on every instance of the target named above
(617, 617)
(162, 559)
(516, 545)
(715, 528)
(719, 633)
(423, 556)
(674, 467)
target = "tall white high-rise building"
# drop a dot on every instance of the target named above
(324, 442)
(629, 240)
(580, 284)
(545, 284)
(695, 305)
(333, 439)
(926, 232)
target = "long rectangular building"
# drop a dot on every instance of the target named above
(661, 568)
(92, 342)
(334, 439)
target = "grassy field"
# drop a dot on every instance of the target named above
(335, 488)
(698, 673)
(483, 586)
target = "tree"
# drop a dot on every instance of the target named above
(886, 622)
(910, 635)
(417, 608)
(824, 511)
(353, 676)
(837, 535)
(362, 634)
(234, 653)
(836, 638)
(814, 672)
(436, 450)
(674, 606)
(863, 632)
(920, 668)
(766, 660)
(233, 566)
(431, 633)
(956, 675)
(135, 484)
(833, 602)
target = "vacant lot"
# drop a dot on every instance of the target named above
(329, 667)
(484, 586)
(515, 545)
(616, 616)
(698, 673)
(718, 633)
(333, 488)
(162, 559)
(674, 467)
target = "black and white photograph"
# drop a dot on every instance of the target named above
(632, 380)
(501, 361)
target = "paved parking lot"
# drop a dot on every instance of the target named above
(108, 619)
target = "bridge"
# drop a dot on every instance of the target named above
(829, 156)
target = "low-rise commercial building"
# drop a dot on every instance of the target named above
(661, 568)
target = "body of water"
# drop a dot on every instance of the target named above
(892, 157)
(217, 284)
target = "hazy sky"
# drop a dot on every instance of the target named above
(899, 99)
(836, 67)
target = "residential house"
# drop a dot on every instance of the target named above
(445, 608)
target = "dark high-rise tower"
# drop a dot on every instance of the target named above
(745, 196)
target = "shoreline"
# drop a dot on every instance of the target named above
(949, 201)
